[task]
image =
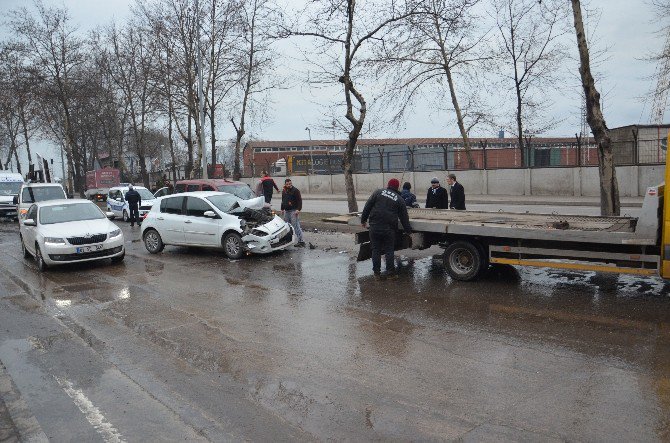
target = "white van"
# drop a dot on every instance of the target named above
(10, 185)
(38, 192)
(117, 204)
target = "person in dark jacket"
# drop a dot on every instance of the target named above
(382, 210)
(457, 193)
(438, 197)
(134, 202)
(291, 205)
(267, 184)
(406, 194)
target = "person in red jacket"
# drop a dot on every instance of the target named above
(267, 183)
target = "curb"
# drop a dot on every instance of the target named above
(24, 421)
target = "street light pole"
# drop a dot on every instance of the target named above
(311, 158)
(201, 100)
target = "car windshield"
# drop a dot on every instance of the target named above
(39, 194)
(145, 194)
(242, 191)
(10, 188)
(223, 202)
(69, 212)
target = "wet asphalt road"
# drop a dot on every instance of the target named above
(306, 345)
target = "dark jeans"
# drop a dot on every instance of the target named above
(268, 197)
(134, 215)
(382, 241)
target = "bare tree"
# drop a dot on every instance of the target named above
(55, 53)
(344, 29)
(441, 42)
(222, 36)
(609, 187)
(255, 60)
(132, 57)
(530, 34)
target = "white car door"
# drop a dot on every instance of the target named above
(170, 220)
(198, 229)
(29, 233)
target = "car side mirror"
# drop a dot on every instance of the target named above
(29, 222)
(109, 214)
(209, 214)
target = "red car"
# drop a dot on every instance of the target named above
(239, 189)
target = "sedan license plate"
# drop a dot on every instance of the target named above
(85, 249)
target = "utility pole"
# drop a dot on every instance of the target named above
(201, 100)
(311, 158)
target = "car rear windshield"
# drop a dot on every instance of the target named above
(10, 188)
(39, 194)
(223, 202)
(242, 191)
(145, 194)
(69, 212)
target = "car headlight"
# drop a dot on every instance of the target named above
(54, 240)
(258, 233)
(115, 233)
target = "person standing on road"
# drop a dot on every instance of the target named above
(291, 205)
(267, 183)
(383, 209)
(134, 202)
(457, 193)
(407, 196)
(438, 197)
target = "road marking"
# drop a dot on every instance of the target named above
(92, 413)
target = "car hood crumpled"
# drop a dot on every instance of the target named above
(252, 203)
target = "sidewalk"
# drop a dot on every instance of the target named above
(513, 200)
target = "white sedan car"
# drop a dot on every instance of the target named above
(69, 231)
(217, 220)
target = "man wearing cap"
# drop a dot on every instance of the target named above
(383, 209)
(438, 197)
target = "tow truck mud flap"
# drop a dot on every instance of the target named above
(402, 241)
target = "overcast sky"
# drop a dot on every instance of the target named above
(627, 26)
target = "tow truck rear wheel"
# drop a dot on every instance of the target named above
(463, 260)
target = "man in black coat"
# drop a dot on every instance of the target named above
(383, 209)
(438, 197)
(457, 193)
(134, 202)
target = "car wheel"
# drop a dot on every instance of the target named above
(125, 216)
(463, 260)
(26, 254)
(41, 266)
(153, 241)
(119, 258)
(233, 245)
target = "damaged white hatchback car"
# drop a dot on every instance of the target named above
(215, 220)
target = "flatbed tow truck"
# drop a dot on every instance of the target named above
(472, 240)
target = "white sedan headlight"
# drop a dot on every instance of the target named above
(115, 233)
(54, 240)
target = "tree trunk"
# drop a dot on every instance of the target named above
(25, 135)
(459, 117)
(609, 188)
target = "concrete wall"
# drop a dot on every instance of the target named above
(633, 181)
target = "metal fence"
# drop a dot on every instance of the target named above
(397, 158)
